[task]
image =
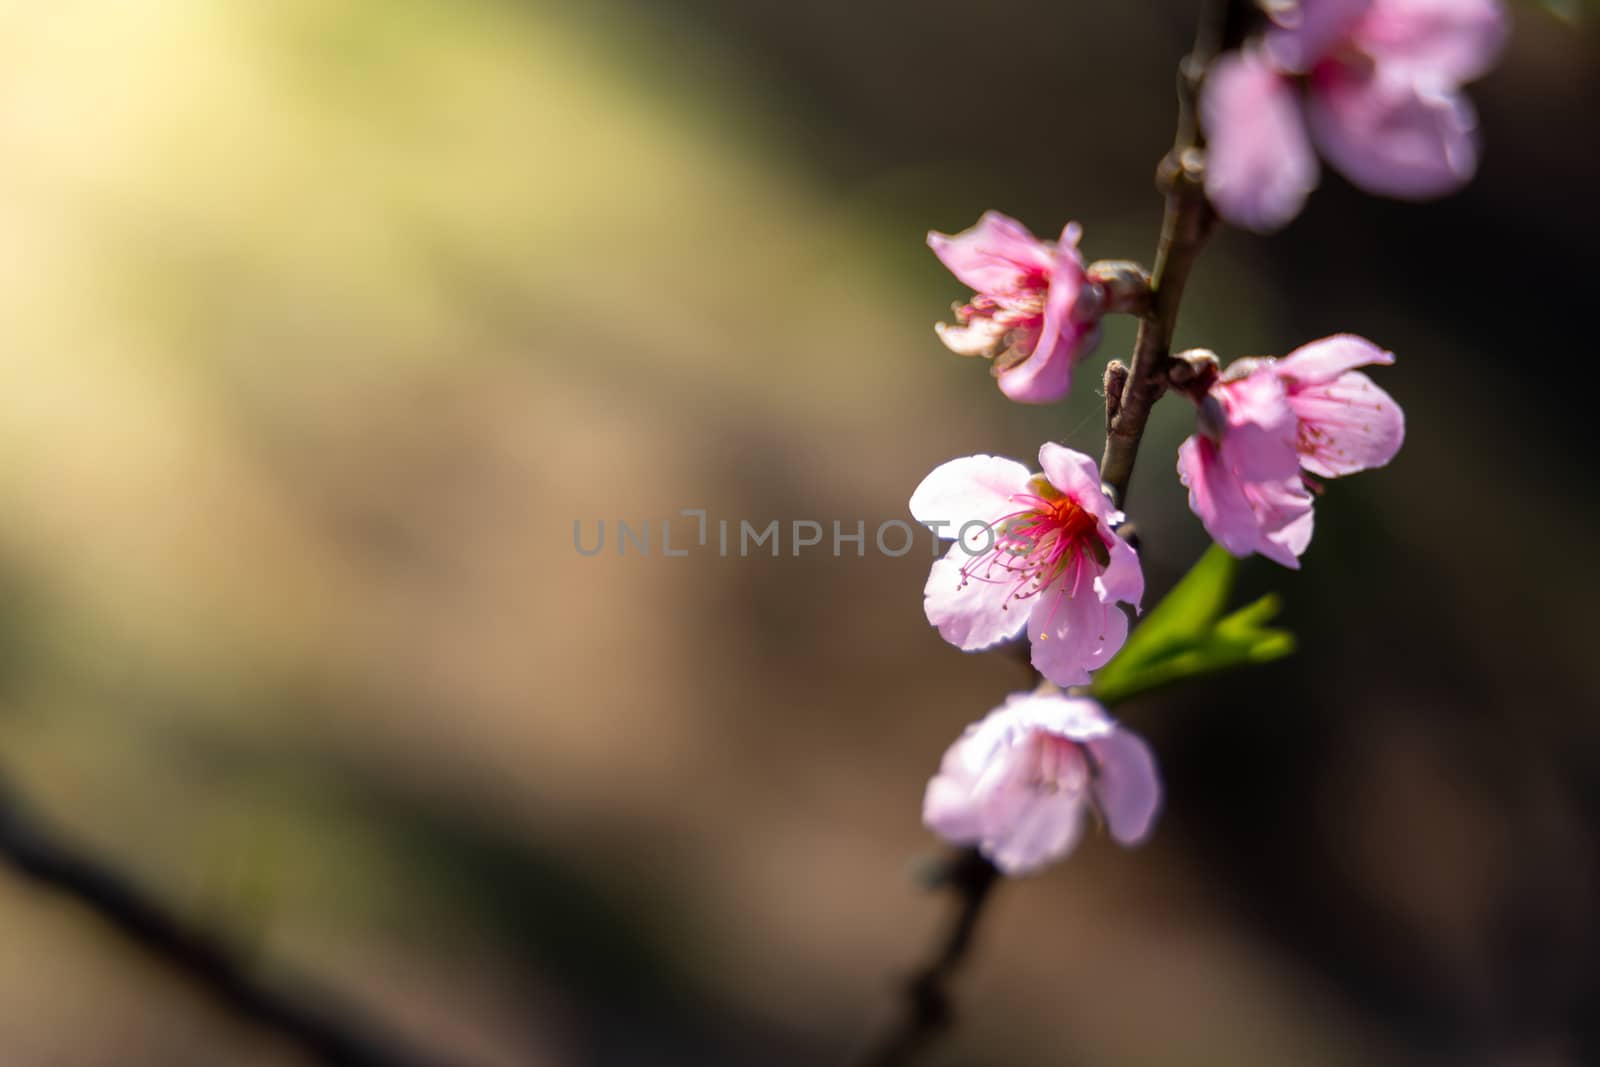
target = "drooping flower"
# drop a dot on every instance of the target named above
(1242, 470)
(1345, 422)
(1259, 163)
(1018, 783)
(1034, 311)
(1382, 102)
(1032, 551)
(1267, 423)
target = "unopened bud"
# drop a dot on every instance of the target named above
(1193, 371)
(1116, 380)
(1124, 286)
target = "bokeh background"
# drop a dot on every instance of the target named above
(322, 321)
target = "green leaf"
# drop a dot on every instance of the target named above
(1184, 614)
(1187, 636)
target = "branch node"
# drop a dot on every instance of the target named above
(1124, 286)
(1116, 380)
(1193, 372)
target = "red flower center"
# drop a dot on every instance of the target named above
(1035, 545)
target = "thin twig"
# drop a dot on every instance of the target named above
(1184, 228)
(927, 1011)
(325, 1026)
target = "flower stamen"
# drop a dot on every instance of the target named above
(1037, 544)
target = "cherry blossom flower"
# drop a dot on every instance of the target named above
(1032, 551)
(1017, 784)
(1345, 422)
(1242, 469)
(1382, 103)
(1267, 423)
(1034, 312)
(1259, 163)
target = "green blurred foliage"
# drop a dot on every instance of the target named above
(1187, 637)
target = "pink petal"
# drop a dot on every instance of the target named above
(1073, 631)
(1045, 828)
(1324, 360)
(1311, 29)
(1127, 788)
(1284, 513)
(1042, 378)
(1080, 719)
(1347, 425)
(985, 794)
(985, 742)
(1392, 134)
(970, 614)
(948, 810)
(996, 255)
(1248, 490)
(1447, 42)
(1259, 163)
(1016, 783)
(1077, 718)
(1216, 497)
(950, 806)
(1046, 375)
(1076, 475)
(1123, 578)
(1257, 401)
(972, 487)
(1248, 494)
(1066, 281)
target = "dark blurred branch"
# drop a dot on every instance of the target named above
(927, 1010)
(324, 1026)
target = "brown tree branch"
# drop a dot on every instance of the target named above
(1184, 228)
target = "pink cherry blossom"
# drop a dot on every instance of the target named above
(1034, 312)
(1266, 423)
(1032, 551)
(1017, 784)
(1345, 422)
(1382, 103)
(1259, 163)
(1242, 469)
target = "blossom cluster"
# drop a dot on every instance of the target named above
(1375, 85)
(1039, 553)
(1268, 426)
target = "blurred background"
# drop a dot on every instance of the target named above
(321, 323)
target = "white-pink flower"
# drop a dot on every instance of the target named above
(1382, 103)
(1345, 422)
(1034, 311)
(1017, 784)
(1266, 423)
(1032, 551)
(1242, 470)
